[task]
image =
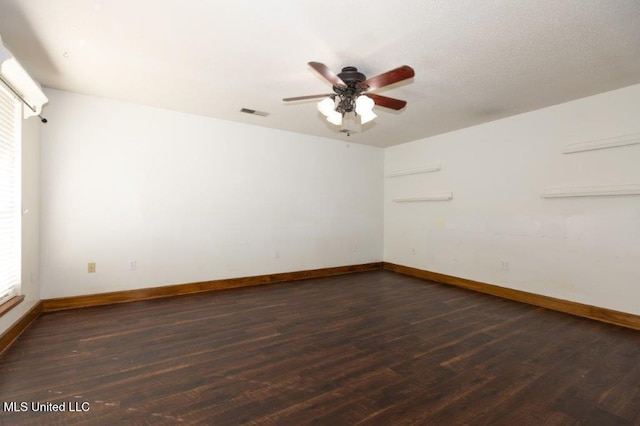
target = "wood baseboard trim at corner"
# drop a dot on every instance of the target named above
(574, 308)
(84, 301)
(8, 337)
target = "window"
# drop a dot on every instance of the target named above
(10, 196)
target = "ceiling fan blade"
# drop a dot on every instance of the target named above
(325, 72)
(305, 98)
(395, 75)
(387, 102)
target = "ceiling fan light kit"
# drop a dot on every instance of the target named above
(349, 87)
(364, 108)
(327, 106)
(335, 118)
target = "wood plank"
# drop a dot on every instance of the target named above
(11, 334)
(73, 302)
(10, 304)
(611, 316)
(376, 347)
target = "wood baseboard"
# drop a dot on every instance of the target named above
(588, 311)
(13, 332)
(61, 303)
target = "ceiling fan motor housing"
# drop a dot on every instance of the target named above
(351, 76)
(354, 88)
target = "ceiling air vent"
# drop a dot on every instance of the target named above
(254, 112)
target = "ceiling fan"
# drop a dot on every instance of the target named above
(352, 92)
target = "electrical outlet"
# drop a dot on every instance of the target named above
(133, 265)
(276, 255)
(91, 267)
(413, 251)
(505, 264)
(355, 248)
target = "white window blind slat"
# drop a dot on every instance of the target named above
(8, 122)
(9, 196)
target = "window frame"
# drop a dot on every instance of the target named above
(11, 291)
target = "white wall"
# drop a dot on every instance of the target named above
(191, 198)
(30, 223)
(580, 249)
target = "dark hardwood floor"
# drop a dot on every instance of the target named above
(368, 348)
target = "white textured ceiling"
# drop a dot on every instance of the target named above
(475, 61)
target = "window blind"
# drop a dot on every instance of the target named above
(10, 231)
